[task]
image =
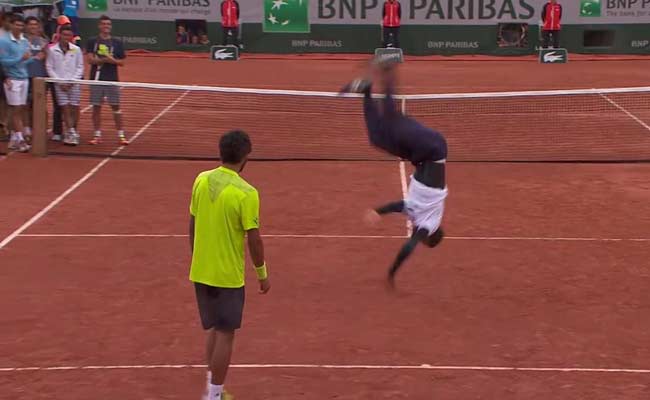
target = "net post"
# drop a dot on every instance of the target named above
(39, 115)
(403, 105)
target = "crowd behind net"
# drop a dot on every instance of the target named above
(185, 122)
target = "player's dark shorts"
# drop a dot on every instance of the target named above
(220, 308)
(110, 93)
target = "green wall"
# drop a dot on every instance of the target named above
(415, 39)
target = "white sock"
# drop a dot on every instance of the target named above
(19, 136)
(120, 133)
(214, 392)
(98, 133)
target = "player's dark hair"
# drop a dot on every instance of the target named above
(31, 19)
(16, 18)
(234, 146)
(435, 239)
(104, 18)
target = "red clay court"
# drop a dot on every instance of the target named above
(539, 292)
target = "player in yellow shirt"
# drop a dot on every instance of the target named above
(224, 211)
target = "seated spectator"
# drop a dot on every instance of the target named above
(195, 40)
(203, 39)
(182, 37)
(65, 61)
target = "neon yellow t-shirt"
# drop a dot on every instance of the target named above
(224, 207)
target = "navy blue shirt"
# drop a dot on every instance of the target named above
(101, 47)
(400, 135)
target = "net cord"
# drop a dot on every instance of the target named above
(442, 96)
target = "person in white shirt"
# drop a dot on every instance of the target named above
(65, 61)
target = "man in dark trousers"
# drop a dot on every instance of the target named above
(551, 17)
(406, 138)
(391, 14)
(230, 22)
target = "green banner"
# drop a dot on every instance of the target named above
(286, 16)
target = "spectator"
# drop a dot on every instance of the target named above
(15, 56)
(195, 40)
(71, 10)
(182, 37)
(65, 61)
(551, 18)
(4, 131)
(230, 22)
(391, 14)
(57, 120)
(105, 55)
(36, 69)
(203, 39)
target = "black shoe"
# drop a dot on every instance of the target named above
(357, 86)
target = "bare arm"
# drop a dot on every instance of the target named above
(93, 59)
(395, 207)
(113, 60)
(192, 233)
(405, 252)
(256, 247)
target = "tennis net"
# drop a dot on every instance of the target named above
(185, 122)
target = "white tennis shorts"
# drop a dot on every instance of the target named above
(425, 206)
(67, 98)
(16, 92)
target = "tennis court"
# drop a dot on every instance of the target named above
(540, 290)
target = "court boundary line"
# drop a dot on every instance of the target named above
(313, 236)
(333, 366)
(36, 217)
(624, 110)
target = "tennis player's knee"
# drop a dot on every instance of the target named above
(224, 334)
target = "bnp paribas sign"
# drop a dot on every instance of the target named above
(290, 16)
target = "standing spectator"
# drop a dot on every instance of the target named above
(65, 61)
(551, 19)
(57, 120)
(230, 22)
(15, 56)
(36, 69)
(4, 125)
(71, 10)
(391, 14)
(106, 54)
(224, 211)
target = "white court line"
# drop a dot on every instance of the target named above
(83, 179)
(402, 174)
(629, 114)
(285, 236)
(334, 366)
